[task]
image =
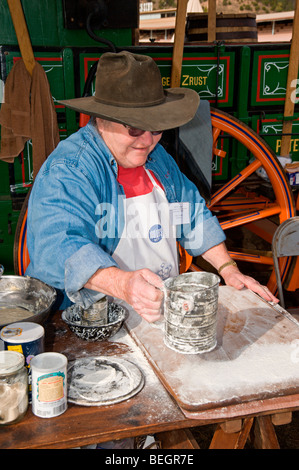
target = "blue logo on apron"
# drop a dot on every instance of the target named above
(155, 233)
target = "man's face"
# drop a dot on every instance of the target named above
(129, 152)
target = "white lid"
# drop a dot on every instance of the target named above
(48, 362)
(10, 361)
(22, 332)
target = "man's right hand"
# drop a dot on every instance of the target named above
(141, 289)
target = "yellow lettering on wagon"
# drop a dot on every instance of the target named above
(189, 80)
(294, 145)
(278, 145)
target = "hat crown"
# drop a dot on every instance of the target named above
(128, 80)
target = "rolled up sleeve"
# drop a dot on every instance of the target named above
(63, 246)
(206, 234)
(78, 272)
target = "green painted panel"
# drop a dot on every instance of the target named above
(4, 178)
(86, 61)
(270, 128)
(8, 223)
(269, 77)
(199, 72)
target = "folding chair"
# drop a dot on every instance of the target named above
(285, 242)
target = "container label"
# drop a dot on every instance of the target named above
(50, 387)
(17, 347)
(9, 332)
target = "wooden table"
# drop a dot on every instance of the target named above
(150, 411)
(158, 407)
(253, 371)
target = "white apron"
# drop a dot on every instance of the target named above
(148, 240)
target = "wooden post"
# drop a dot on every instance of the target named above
(231, 440)
(177, 439)
(264, 436)
(179, 39)
(292, 75)
(212, 20)
(19, 22)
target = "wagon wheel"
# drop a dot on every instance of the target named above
(20, 251)
(236, 206)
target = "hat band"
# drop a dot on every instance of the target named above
(131, 105)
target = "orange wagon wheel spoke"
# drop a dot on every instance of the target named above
(245, 219)
(233, 183)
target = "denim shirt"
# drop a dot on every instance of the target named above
(75, 217)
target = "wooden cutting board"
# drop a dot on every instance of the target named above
(257, 355)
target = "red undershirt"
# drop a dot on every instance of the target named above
(135, 181)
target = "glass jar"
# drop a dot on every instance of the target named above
(13, 387)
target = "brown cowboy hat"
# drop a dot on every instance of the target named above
(129, 90)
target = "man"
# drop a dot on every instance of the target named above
(109, 204)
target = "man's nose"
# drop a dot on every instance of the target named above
(147, 138)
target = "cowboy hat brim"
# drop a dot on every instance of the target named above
(178, 108)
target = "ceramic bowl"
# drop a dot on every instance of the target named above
(27, 294)
(116, 316)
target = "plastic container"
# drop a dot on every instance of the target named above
(49, 384)
(13, 387)
(292, 171)
(26, 338)
(190, 311)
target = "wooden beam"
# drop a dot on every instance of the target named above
(232, 425)
(179, 40)
(289, 105)
(177, 439)
(264, 434)
(281, 418)
(19, 22)
(231, 440)
(212, 20)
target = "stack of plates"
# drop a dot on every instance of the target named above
(102, 380)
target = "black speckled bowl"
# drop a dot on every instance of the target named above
(116, 315)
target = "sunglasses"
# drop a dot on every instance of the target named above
(134, 132)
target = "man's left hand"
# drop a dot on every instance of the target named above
(233, 277)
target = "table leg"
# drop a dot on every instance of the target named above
(264, 436)
(231, 440)
(178, 439)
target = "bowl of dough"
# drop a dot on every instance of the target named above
(73, 316)
(24, 298)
